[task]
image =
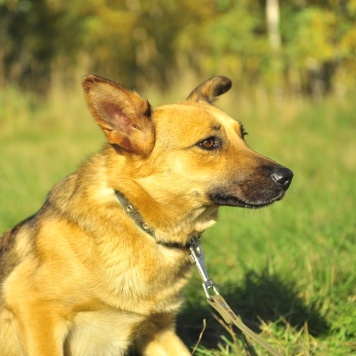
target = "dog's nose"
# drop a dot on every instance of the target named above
(282, 176)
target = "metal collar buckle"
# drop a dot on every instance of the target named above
(197, 257)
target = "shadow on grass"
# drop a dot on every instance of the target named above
(261, 297)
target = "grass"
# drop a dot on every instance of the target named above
(288, 270)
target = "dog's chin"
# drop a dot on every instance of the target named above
(230, 200)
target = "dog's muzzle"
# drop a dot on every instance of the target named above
(261, 187)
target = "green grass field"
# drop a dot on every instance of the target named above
(288, 270)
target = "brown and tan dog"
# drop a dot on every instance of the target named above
(100, 267)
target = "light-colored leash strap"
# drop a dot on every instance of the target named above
(218, 302)
(220, 305)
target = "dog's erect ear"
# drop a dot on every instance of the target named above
(123, 115)
(210, 89)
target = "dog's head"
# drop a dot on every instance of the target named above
(189, 157)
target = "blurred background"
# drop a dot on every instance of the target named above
(294, 47)
(289, 269)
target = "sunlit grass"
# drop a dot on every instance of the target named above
(288, 270)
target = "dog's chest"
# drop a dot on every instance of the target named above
(104, 332)
(138, 295)
(148, 282)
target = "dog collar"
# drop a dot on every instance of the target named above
(133, 213)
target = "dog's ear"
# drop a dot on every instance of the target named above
(210, 89)
(123, 115)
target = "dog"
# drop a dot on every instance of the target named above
(99, 269)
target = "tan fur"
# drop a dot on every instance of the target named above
(80, 277)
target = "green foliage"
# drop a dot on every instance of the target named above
(26, 42)
(228, 40)
(140, 42)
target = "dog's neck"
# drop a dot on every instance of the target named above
(134, 214)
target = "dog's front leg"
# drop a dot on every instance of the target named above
(165, 343)
(160, 338)
(41, 331)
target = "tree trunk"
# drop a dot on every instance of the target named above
(272, 17)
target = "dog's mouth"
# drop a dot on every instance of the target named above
(231, 200)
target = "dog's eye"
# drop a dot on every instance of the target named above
(210, 143)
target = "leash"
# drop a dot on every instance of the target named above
(217, 301)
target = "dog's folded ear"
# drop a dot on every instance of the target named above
(210, 89)
(123, 115)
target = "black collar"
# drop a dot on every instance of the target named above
(137, 218)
